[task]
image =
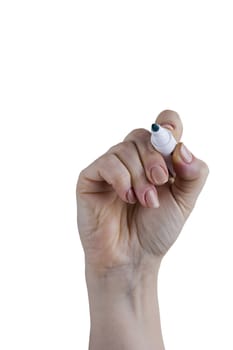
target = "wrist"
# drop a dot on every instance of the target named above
(124, 308)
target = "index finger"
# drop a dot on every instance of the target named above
(171, 120)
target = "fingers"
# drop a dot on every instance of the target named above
(191, 174)
(153, 163)
(171, 120)
(123, 169)
(107, 170)
(141, 170)
(133, 168)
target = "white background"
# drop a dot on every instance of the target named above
(75, 78)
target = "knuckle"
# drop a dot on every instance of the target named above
(123, 179)
(121, 182)
(137, 134)
(119, 147)
(120, 176)
(108, 160)
(79, 183)
(113, 148)
(123, 148)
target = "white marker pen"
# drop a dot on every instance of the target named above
(164, 142)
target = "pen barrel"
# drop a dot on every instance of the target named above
(164, 142)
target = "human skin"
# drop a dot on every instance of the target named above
(130, 212)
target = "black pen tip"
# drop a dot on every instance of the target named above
(154, 127)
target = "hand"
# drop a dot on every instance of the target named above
(129, 211)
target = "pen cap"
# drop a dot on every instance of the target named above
(162, 140)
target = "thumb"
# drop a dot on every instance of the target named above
(191, 174)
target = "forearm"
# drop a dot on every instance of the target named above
(124, 315)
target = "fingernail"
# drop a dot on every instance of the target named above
(151, 199)
(158, 174)
(186, 154)
(168, 126)
(131, 197)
